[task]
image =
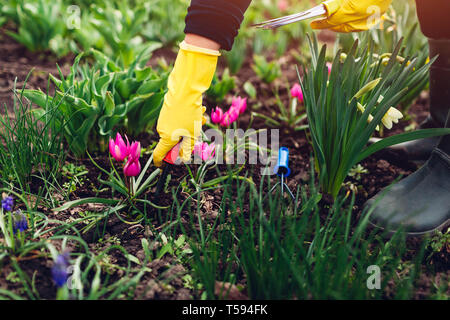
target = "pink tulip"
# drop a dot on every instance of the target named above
(217, 115)
(208, 152)
(118, 149)
(329, 65)
(132, 168)
(134, 151)
(229, 117)
(198, 148)
(204, 150)
(226, 120)
(240, 104)
(296, 92)
(282, 5)
(234, 113)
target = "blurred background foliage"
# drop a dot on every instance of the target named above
(124, 32)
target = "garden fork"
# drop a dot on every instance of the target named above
(283, 171)
(324, 9)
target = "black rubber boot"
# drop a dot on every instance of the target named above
(420, 203)
(420, 150)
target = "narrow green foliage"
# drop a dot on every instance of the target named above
(41, 25)
(236, 56)
(169, 14)
(120, 24)
(347, 106)
(397, 25)
(221, 87)
(292, 115)
(291, 251)
(95, 99)
(266, 71)
(30, 143)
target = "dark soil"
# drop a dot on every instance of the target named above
(16, 62)
(164, 282)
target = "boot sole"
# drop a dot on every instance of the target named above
(410, 235)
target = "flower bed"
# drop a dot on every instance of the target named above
(93, 228)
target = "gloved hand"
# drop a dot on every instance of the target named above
(352, 15)
(181, 115)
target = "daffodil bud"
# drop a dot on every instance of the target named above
(367, 88)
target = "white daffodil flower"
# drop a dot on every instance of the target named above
(361, 108)
(392, 116)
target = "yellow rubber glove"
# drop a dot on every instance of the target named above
(181, 115)
(352, 15)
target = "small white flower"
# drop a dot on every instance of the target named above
(361, 108)
(392, 116)
(380, 98)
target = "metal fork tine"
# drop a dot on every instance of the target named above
(278, 22)
(280, 19)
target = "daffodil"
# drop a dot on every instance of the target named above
(392, 116)
(367, 88)
(361, 108)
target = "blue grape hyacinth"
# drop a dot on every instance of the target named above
(7, 203)
(59, 270)
(20, 222)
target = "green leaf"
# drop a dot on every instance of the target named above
(38, 97)
(79, 202)
(250, 89)
(400, 138)
(127, 87)
(151, 86)
(109, 104)
(143, 74)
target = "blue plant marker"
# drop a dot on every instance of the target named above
(282, 167)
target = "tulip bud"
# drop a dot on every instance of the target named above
(135, 151)
(132, 168)
(226, 120)
(204, 150)
(217, 115)
(240, 104)
(234, 114)
(282, 5)
(329, 66)
(296, 92)
(118, 149)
